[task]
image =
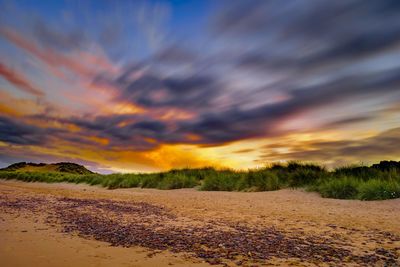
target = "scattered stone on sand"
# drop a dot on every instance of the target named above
(130, 224)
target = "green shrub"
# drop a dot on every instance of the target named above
(221, 181)
(305, 176)
(295, 165)
(342, 188)
(361, 172)
(151, 180)
(379, 189)
(198, 173)
(176, 181)
(130, 181)
(250, 181)
(95, 179)
(273, 182)
(262, 180)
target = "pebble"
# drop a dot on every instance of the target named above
(130, 224)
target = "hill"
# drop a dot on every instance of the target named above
(66, 167)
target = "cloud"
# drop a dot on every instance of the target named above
(152, 20)
(18, 80)
(143, 132)
(258, 67)
(55, 39)
(150, 89)
(176, 54)
(49, 57)
(379, 147)
(350, 121)
(244, 151)
(236, 124)
(219, 115)
(16, 132)
(81, 63)
(119, 132)
(345, 32)
(307, 34)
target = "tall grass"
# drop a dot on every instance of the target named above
(342, 188)
(349, 182)
(376, 189)
(222, 181)
(175, 181)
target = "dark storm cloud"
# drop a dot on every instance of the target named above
(99, 123)
(303, 33)
(225, 127)
(121, 131)
(133, 134)
(17, 132)
(136, 131)
(153, 90)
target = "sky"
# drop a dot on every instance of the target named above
(141, 86)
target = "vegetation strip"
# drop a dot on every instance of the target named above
(380, 181)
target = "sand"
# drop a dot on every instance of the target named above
(364, 230)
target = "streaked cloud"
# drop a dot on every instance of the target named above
(235, 83)
(18, 80)
(382, 146)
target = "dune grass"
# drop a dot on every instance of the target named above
(342, 188)
(350, 182)
(376, 189)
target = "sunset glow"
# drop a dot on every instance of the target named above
(122, 86)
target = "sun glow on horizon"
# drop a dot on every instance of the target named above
(150, 86)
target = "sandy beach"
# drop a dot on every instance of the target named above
(79, 225)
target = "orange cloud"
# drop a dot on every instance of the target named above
(14, 106)
(174, 114)
(101, 141)
(8, 111)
